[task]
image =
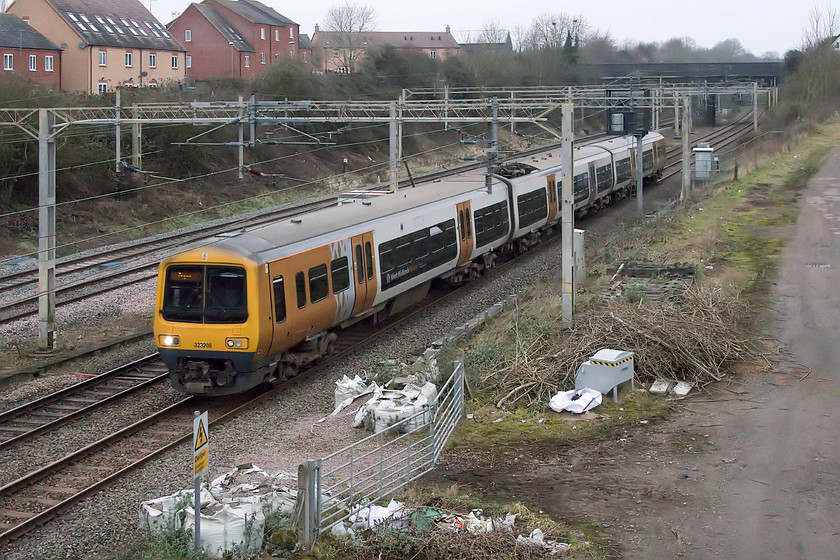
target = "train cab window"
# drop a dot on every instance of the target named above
(300, 288)
(369, 260)
(225, 295)
(360, 267)
(319, 286)
(340, 275)
(183, 295)
(279, 299)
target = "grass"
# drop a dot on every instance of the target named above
(545, 428)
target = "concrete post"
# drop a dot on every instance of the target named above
(446, 106)
(118, 134)
(46, 231)
(400, 127)
(493, 151)
(755, 106)
(241, 138)
(686, 148)
(677, 102)
(136, 139)
(394, 163)
(567, 217)
(640, 176)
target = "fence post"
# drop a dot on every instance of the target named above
(311, 513)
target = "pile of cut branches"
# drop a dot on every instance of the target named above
(690, 339)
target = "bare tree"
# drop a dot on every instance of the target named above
(550, 31)
(348, 23)
(492, 32)
(822, 26)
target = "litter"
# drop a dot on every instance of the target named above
(389, 406)
(537, 538)
(233, 510)
(575, 401)
(682, 388)
(371, 516)
(348, 390)
(660, 387)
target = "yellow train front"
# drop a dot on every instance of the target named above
(208, 326)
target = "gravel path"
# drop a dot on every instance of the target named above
(277, 435)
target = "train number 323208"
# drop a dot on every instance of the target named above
(202, 345)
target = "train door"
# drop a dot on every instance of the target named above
(282, 303)
(364, 271)
(593, 182)
(465, 230)
(551, 183)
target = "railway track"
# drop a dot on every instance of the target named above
(45, 491)
(118, 273)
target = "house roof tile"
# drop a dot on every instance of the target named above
(227, 31)
(14, 32)
(256, 12)
(304, 42)
(116, 23)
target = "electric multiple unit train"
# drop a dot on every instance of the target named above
(255, 306)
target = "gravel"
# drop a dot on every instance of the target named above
(277, 435)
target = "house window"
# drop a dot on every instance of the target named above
(433, 54)
(102, 58)
(276, 34)
(291, 33)
(129, 59)
(33, 62)
(276, 57)
(174, 61)
(188, 63)
(262, 58)
(103, 87)
(48, 63)
(152, 60)
(8, 62)
(262, 33)
(187, 35)
(26, 20)
(247, 61)
(304, 58)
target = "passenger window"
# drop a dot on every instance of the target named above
(360, 269)
(340, 275)
(300, 286)
(279, 299)
(469, 226)
(369, 260)
(319, 287)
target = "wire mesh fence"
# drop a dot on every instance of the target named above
(338, 485)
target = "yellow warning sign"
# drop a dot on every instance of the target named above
(201, 460)
(201, 442)
(201, 436)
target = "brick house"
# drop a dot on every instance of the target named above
(247, 33)
(305, 49)
(339, 52)
(106, 43)
(27, 54)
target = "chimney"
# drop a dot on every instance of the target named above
(448, 30)
(316, 28)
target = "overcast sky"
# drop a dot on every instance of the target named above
(771, 25)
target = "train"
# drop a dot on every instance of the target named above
(256, 306)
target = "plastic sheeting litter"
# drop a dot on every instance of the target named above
(575, 401)
(233, 510)
(371, 516)
(348, 390)
(537, 538)
(388, 406)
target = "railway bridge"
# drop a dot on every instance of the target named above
(765, 73)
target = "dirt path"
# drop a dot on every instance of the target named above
(753, 471)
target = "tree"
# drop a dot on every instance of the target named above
(348, 23)
(492, 32)
(822, 26)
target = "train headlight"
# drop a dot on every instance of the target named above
(169, 340)
(236, 343)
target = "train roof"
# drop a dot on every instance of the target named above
(356, 214)
(353, 215)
